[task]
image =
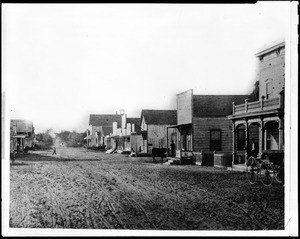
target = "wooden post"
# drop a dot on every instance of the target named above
(281, 103)
(281, 134)
(246, 105)
(262, 102)
(233, 108)
(168, 141)
(246, 139)
(233, 144)
(261, 132)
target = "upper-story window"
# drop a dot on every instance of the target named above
(269, 89)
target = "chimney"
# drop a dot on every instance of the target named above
(122, 111)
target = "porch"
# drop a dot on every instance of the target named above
(261, 121)
(262, 106)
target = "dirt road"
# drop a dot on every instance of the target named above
(81, 189)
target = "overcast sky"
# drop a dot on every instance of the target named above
(62, 62)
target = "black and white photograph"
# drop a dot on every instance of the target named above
(149, 119)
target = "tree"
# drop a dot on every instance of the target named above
(71, 139)
(45, 140)
(255, 93)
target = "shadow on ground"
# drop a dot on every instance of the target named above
(38, 157)
(18, 163)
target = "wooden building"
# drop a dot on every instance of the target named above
(127, 135)
(262, 119)
(100, 127)
(21, 135)
(154, 128)
(202, 122)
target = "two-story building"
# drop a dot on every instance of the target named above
(154, 129)
(21, 134)
(100, 127)
(262, 119)
(127, 135)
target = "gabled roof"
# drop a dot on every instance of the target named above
(159, 117)
(215, 105)
(269, 49)
(106, 130)
(104, 119)
(137, 128)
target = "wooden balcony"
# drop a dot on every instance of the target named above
(258, 106)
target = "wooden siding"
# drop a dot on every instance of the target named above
(202, 127)
(184, 107)
(271, 69)
(157, 136)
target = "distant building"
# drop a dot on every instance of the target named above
(100, 127)
(262, 120)
(127, 135)
(21, 134)
(202, 122)
(154, 128)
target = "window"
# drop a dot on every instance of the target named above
(241, 139)
(268, 89)
(215, 140)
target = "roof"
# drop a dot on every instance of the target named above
(269, 49)
(106, 130)
(135, 121)
(22, 125)
(160, 117)
(104, 119)
(137, 128)
(215, 105)
(20, 136)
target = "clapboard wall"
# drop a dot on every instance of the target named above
(201, 132)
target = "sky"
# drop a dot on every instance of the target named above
(62, 62)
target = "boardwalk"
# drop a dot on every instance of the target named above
(81, 189)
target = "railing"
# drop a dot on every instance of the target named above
(256, 106)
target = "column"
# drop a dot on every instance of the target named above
(233, 143)
(265, 137)
(168, 153)
(261, 137)
(281, 133)
(246, 105)
(247, 139)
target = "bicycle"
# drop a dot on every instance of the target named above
(262, 169)
(278, 173)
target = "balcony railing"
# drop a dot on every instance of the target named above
(258, 106)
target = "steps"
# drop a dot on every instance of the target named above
(172, 161)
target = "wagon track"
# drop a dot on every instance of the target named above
(79, 189)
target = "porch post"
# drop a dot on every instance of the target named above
(265, 137)
(281, 134)
(233, 143)
(261, 137)
(168, 141)
(247, 140)
(246, 105)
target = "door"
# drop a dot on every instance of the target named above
(215, 140)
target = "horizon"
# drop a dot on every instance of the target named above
(76, 60)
